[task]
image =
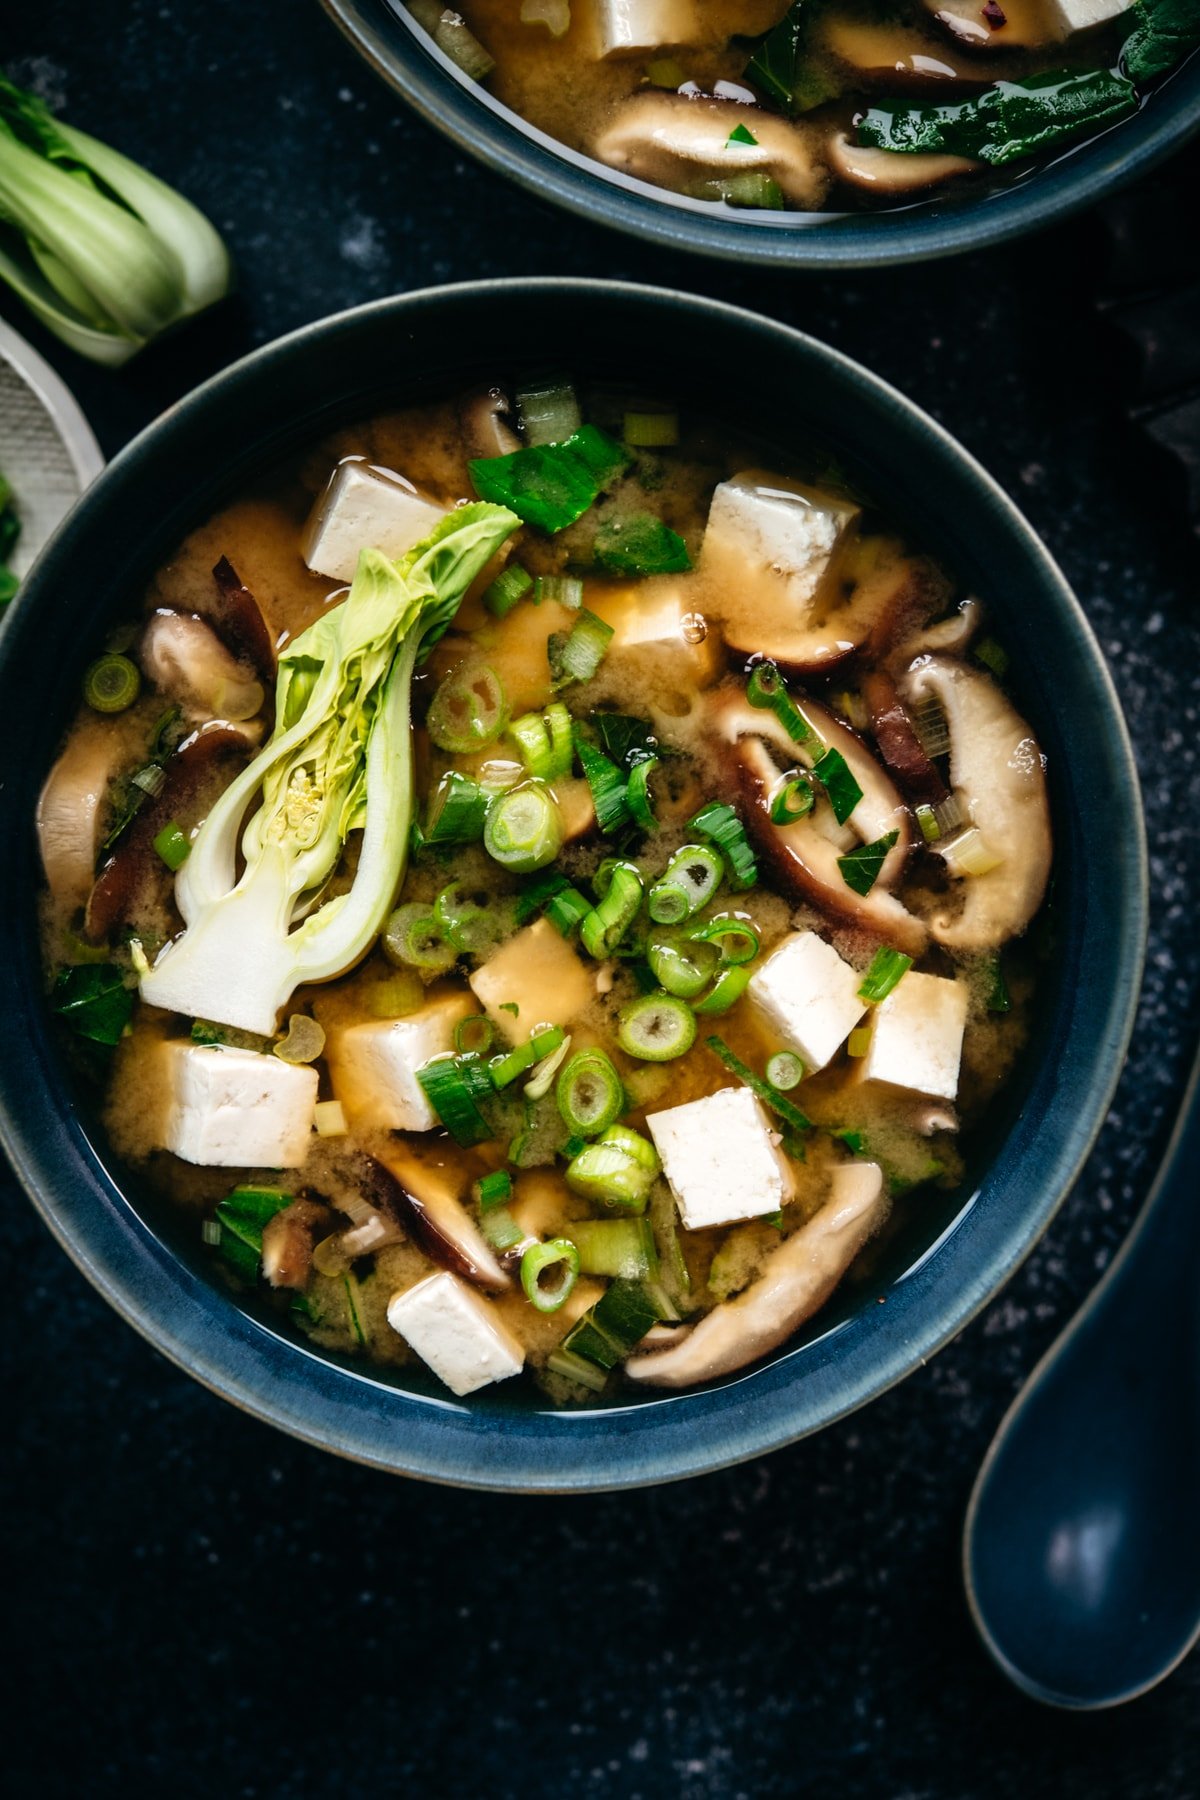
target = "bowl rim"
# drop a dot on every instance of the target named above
(351, 1412)
(426, 78)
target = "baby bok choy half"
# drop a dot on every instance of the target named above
(102, 252)
(339, 760)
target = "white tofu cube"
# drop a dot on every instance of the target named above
(235, 1109)
(764, 529)
(1071, 16)
(917, 1035)
(457, 1332)
(539, 973)
(721, 1159)
(627, 26)
(807, 998)
(365, 508)
(374, 1065)
(659, 636)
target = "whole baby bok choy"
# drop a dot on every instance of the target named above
(339, 760)
(101, 251)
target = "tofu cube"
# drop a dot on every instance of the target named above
(457, 1332)
(658, 635)
(1071, 16)
(917, 1035)
(721, 1159)
(766, 531)
(538, 972)
(806, 997)
(365, 508)
(374, 1065)
(629, 26)
(235, 1109)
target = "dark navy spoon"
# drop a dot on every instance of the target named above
(1081, 1551)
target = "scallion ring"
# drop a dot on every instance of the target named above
(468, 711)
(606, 924)
(524, 829)
(680, 967)
(657, 1027)
(689, 882)
(731, 983)
(785, 1070)
(637, 793)
(767, 691)
(474, 1034)
(589, 1094)
(457, 809)
(549, 1272)
(111, 684)
(413, 938)
(792, 799)
(471, 919)
(736, 939)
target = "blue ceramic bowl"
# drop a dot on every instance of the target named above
(955, 1250)
(390, 40)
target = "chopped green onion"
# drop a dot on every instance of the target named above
(656, 1027)
(767, 690)
(792, 799)
(624, 1313)
(607, 784)
(549, 1272)
(564, 590)
(413, 937)
(94, 1001)
(548, 410)
(450, 33)
(993, 656)
(640, 545)
(650, 430)
(535, 894)
(457, 810)
(602, 929)
(618, 1170)
(241, 1217)
(302, 1042)
(721, 823)
(941, 819)
(589, 1094)
(472, 920)
(770, 1096)
(474, 1034)
(859, 1041)
(551, 485)
(540, 1082)
(969, 853)
(1009, 119)
(752, 188)
(545, 742)
(578, 655)
(887, 967)
(567, 909)
(731, 983)
(689, 882)
(998, 1000)
(860, 867)
(931, 726)
(524, 829)
(511, 585)
(493, 1190)
(210, 1233)
(575, 1368)
(736, 939)
(837, 778)
(501, 1229)
(619, 1248)
(111, 684)
(453, 1086)
(785, 1070)
(468, 711)
(637, 793)
(172, 845)
(664, 72)
(680, 967)
(505, 1068)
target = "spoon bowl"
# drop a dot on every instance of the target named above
(1081, 1555)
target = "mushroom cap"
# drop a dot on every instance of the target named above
(804, 856)
(798, 1279)
(673, 140)
(70, 808)
(485, 424)
(424, 1197)
(186, 660)
(998, 773)
(898, 743)
(892, 173)
(952, 635)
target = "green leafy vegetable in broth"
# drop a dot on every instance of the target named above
(551, 485)
(783, 66)
(1010, 120)
(1164, 32)
(640, 545)
(94, 1001)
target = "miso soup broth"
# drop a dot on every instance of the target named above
(824, 104)
(542, 883)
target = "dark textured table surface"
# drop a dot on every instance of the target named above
(197, 1606)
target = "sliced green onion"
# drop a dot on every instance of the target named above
(548, 410)
(564, 590)
(618, 1170)
(453, 1086)
(607, 784)
(656, 1027)
(501, 1229)
(736, 939)
(625, 1312)
(589, 1094)
(753, 188)
(837, 778)
(998, 1000)
(111, 684)
(680, 967)
(620, 1248)
(650, 430)
(602, 929)
(690, 880)
(468, 711)
(493, 1190)
(993, 656)
(664, 72)
(548, 1273)
(887, 967)
(172, 845)
(150, 779)
(524, 829)
(767, 690)
(575, 1368)
(637, 793)
(302, 1042)
(941, 819)
(242, 1216)
(931, 726)
(785, 1070)
(721, 823)
(578, 655)
(474, 1035)
(511, 585)
(471, 919)
(542, 1078)
(731, 983)
(740, 135)
(567, 909)
(450, 33)
(969, 853)
(792, 799)
(664, 1220)
(413, 937)
(860, 867)
(535, 894)
(514, 1062)
(770, 1096)
(457, 810)
(545, 741)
